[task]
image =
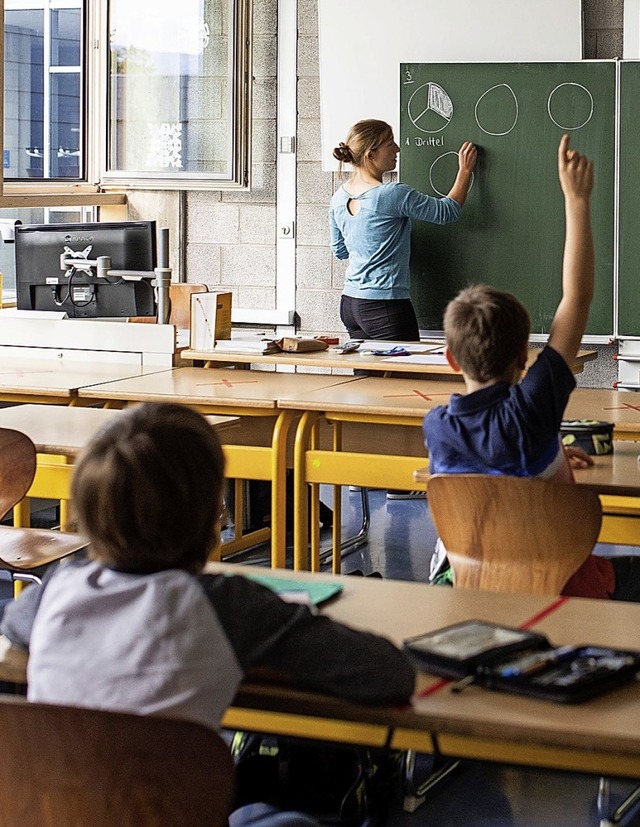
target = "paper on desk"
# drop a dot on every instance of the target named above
(417, 348)
(422, 359)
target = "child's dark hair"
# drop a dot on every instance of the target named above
(486, 331)
(148, 489)
(363, 138)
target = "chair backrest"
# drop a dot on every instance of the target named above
(180, 297)
(512, 533)
(65, 767)
(17, 468)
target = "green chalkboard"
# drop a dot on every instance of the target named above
(629, 274)
(511, 231)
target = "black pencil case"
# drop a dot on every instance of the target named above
(521, 662)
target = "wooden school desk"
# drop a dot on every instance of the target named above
(622, 408)
(55, 381)
(258, 450)
(376, 442)
(59, 434)
(601, 736)
(357, 361)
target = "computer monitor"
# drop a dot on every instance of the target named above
(50, 274)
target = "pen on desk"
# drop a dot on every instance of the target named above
(463, 684)
(533, 663)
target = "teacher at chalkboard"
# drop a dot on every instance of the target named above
(370, 225)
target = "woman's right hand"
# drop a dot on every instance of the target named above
(467, 156)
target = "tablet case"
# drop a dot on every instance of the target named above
(521, 661)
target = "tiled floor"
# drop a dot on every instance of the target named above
(400, 540)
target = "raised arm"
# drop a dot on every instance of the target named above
(570, 320)
(467, 156)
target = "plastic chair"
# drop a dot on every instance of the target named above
(67, 767)
(23, 551)
(513, 534)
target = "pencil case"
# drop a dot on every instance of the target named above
(521, 662)
(592, 435)
(301, 344)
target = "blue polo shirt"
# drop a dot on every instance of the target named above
(503, 429)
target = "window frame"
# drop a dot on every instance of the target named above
(99, 187)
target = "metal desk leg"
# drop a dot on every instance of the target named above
(304, 431)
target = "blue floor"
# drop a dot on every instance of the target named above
(399, 544)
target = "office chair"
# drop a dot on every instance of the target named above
(23, 551)
(65, 766)
(516, 534)
(513, 534)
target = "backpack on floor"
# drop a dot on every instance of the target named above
(336, 784)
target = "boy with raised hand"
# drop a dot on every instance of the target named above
(506, 426)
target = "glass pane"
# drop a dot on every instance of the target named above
(24, 94)
(42, 127)
(169, 87)
(65, 37)
(65, 125)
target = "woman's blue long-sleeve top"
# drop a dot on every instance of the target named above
(377, 241)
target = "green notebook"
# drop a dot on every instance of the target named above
(311, 592)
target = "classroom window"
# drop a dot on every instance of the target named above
(112, 93)
(177, 108)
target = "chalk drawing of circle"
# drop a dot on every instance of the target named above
(498, 107)
(570, 105)
(430, 108)
(443, 171)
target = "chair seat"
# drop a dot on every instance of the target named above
(22, 549)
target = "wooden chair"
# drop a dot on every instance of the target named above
(24, 550)
(179, 305)
(68, 767)
(180, 298)
(513, 534)
(517, 534)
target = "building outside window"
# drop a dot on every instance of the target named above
(43, 90)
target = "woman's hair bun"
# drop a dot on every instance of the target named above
(343, 153)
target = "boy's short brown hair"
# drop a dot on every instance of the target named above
(148, 489)
(486, 330)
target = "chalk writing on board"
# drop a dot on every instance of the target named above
(442, 173)
(508, 109)
(407, 78)
(430, 108)
(570, 105)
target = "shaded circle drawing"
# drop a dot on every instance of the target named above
(430, 108)
(443, 171)
(508, 109)
(570, 105)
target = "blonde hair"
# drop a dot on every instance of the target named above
(148, 489)
(364, 137)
